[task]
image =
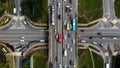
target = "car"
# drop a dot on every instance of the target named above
(60, 38)
(70, 9)
(56, 36)
(59, 16)
(24, 22)
(68, 26)
(65, 0)
(90, 37)
(56, 58)
(71, 62)
(83, 41)
(58, 5)
(82, 30)
(22, 40)
(22, 37)
(68, 46)
(65, 66)
(55, 31)
(70, 1)
(73, 41)
(67, 9)
(71, 49)
(53, 8)
(114, 38)
(99, 33)
(103, 38)
(70, 18)
(65, 52)
(68, 35)
(53, 23)
(65, 37)
(59, 65)
(95, 43)
(42, 40)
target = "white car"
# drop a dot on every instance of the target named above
(42, 40)
(73, 41)
(95, 43)
(65, 52)
(65, 66)
(60, 65)
(103, 38)
(65, 0)
(68, 46)
(83, 41)
(65, 37)
(53, 8)
(114, 37)
(71, 49)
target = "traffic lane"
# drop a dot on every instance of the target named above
(65, 33)
(109, 8)
(104, 32)
(17, 62)
(106, 9)
(72, 49)
(23, 31)
(99, 41)
(59, 54)
(111, 4)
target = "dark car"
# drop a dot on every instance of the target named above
(68, 35)
(59, 16)
(56, 58)
(70, 1)
(71, 62)
(99, 33)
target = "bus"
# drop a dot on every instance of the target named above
(73, 24)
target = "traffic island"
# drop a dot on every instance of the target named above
(6, 7)
(89, 59)
(117, 8)
(37, 59)
(6, 61)
(89, 10)
(4, 21)
(36, 11)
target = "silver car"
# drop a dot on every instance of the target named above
(60, 66)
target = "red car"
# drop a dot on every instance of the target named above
(70, 18)
(60, 38)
